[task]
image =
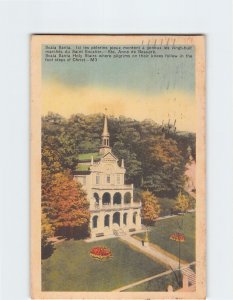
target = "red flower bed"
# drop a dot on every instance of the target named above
(178, 237)
(100, 253)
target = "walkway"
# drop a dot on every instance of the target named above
(152, 252)
(126, 287)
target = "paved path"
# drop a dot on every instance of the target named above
(126, 287)
(152, 252)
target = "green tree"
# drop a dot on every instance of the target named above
(150, 208)
(163, 166)
(132, 164)
(47, 231)
(154, 160)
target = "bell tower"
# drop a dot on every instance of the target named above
(105, 147)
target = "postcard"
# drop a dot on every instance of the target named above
(118, 167)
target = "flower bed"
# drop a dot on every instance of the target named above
(178, 237)
(100, 253)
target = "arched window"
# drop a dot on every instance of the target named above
(106, 198)
(127, 198)
(134, 217)
(117, 198)
(106, 220)
(95, 222)
(116, 218)
(125, 218)
(97, 198)
(108, 178)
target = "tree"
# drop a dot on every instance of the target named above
(163, 166)
(182, 203)
(150, 208)
(154, 160)
(132, 164)
(66, 205)
(47, 231)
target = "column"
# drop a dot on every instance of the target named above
(121, 218)
(131, 200)
(91, 225)
(138, 220)
(122, 199)
(111, 198)
(110, 221)
(100, 199)
(101, 221)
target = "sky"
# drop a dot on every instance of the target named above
(149, 88)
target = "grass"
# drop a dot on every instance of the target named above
(87, 156)
(166, 206)
(156, 285)
(71, 268)
(160, 234)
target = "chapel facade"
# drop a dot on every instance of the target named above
(112, 206)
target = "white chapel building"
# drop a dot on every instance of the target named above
(112, 208)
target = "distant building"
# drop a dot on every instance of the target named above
(112, 208)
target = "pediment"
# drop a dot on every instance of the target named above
(109, 157)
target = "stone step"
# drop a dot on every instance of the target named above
(190, 274)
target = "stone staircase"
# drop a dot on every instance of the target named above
(190, 275)
(119, 232)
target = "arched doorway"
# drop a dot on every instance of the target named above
(106, 198)
(116, 218)
(134, 217)
(106, 220)
(125, 218)
(117, 198)
(95, 222)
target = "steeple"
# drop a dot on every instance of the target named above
(104, 148)
(105, 134)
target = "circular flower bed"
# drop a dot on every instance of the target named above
(100, 253)
(178, 237)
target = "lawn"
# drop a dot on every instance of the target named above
(156, 285)
(167, 205)
(160, 233)
(70, 268)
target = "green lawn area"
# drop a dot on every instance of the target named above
(70, 268)
(156, 285)
(166, 206)
(161, 231)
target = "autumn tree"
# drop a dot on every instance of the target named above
(47, 231)
(150, 208)
(66, 205)
(182, 203)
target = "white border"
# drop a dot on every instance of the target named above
(21, 18)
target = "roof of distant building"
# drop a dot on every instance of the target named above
(87, 156)
(83, 167)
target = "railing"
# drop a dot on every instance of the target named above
(113, 186)
(107, 206)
